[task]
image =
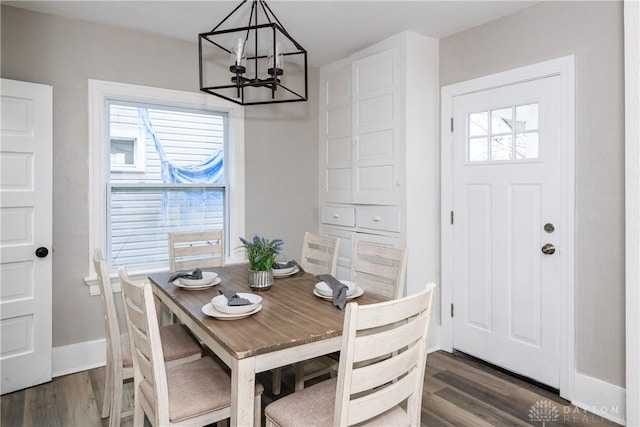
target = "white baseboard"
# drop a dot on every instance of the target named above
(78, 357)
(599, 397)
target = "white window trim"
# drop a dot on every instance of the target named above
(99, 92)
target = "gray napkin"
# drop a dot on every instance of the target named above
(194, 275)
(288, 264)
(339, 289)
(233, 298)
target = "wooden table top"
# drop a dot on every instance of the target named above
(291, 315)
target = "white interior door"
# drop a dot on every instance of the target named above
(507, 205)
(26, 234)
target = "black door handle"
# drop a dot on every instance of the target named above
(42, 252)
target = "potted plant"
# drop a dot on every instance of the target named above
(261, 254)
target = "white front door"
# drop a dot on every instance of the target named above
(25, 234)
(507, 205)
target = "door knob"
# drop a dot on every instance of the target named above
(42, 252)
(548, 249)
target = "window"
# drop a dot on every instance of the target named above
(182, 189)
(491, 134)
(161, 161)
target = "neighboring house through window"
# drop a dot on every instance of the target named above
(170, 179)
(161, 161)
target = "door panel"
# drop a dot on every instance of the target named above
(506, 175)
(477, 241)
(25, 218)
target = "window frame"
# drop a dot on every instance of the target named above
(100, 93)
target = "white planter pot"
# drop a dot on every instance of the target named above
(260, 280)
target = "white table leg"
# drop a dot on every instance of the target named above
(243, 383)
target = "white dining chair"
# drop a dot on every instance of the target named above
(180, 347)
(378, 269)
(192, 394)
(319, 256)
(377, 384)
(200, 249)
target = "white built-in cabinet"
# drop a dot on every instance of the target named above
(378, 139)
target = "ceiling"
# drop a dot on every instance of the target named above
(328, 30)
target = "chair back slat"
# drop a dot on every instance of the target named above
(373, 378)
(392, 312)
(201, 249)
(197, 250)
(376, 286)
(379, 269)
(320, 254)
(371, 405)
(368, 347)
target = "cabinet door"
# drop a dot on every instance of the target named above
(377, 129)
(336, 144)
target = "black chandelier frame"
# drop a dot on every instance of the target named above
(239, 81)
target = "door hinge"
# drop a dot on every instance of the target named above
(451, 309)
(451, 124)
(452, 217)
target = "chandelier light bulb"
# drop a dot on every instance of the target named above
(238, 56)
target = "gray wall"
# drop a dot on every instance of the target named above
(282, 197)
(281, 156)
(593, 32)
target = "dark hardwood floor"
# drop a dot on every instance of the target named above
(457, 392)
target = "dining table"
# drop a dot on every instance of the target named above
(293, 325)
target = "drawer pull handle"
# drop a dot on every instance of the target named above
(377, 218)
(336, 216)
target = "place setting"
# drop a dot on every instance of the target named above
(232, 306)
(285, 269)
(337, 291)
(195, 280)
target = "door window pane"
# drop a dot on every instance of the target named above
(478, 124)
(478, 149)
(513, 134)
(501, 147)
(527, 145)
(501, 121)
(526, 117)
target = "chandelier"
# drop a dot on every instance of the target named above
(259, 63)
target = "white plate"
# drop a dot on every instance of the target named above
(358, 292)
(212, 312)
(215, 281)
(324, 289)
(207, 277)
(221, 303)
(285, 272)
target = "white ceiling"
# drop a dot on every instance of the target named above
(328, 30)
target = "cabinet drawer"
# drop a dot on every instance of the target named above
(378, 219)
(338, 216)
